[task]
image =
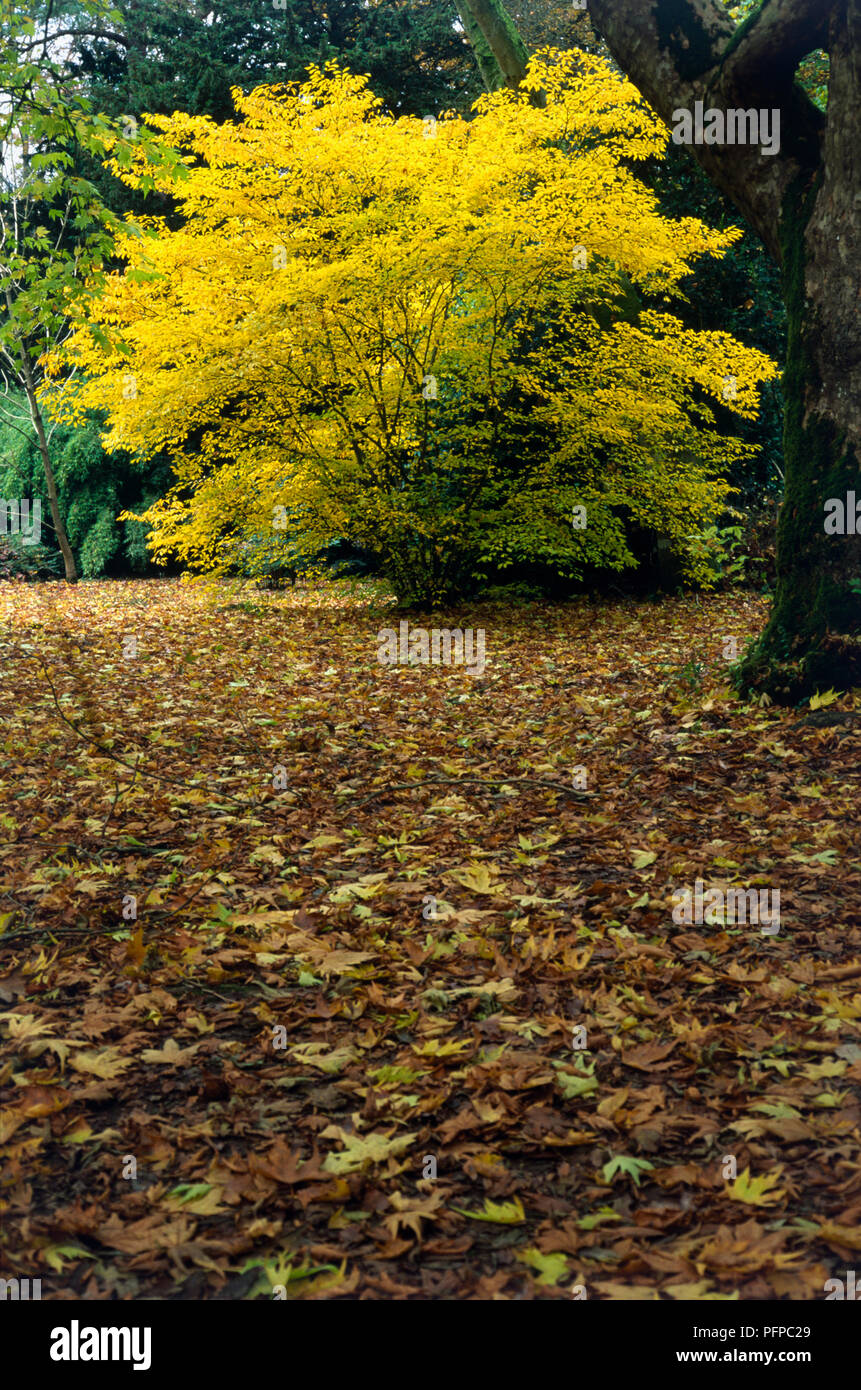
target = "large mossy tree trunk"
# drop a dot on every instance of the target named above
(805, 203)
(813, 638)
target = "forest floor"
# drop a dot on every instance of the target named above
(327, 978)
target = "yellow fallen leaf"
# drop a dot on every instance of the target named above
(504, 990)
(435, 1048)
(341, 962)
(23, 1026)
(756, 1192)
(848, 1236)
(267, 854)
(317, 1055)
(702, 1290)
(630, 1293)
(411, 1211)
(818, 701)
(815, 1071)
(10, 1119)
(91, 886)
(326, 961)
(643, 858)
(209, 1204)
(501, 1213)
(57, 1256)
(277, 918)
(361, 1152)
(551, 1267)
(478, 878)
(488, 1113)
(171, 1054)
(107, 1064)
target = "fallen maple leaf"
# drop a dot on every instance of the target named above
(628, 1292)
(478, 878)
(107, 1064)
(756, 1192)
(621, 1163)
(11, 1118)
(847, 1236)
(360, 1152)
(818, 701)
(326, 961)
(574, 1084)
(410, 1212)
(267, 854)
(317, 1055)
(23, 1026)
(200, 1199)
(650, 1056)
(171, 1054)
(700, 1291)
(642, 858)
(502, 1213)
(341, 962)
(551, 1267)
(58, 1255)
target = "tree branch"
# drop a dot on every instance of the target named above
(771, 45)
(679, 52)
(46, 39)
(499, 32)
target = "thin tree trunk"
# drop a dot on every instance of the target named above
(45, 451)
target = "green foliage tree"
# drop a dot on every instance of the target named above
(55, 231)
(93, 488)
(188, 55)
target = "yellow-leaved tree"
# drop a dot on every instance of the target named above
(448, 341)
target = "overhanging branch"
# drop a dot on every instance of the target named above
(769, 48)
(680, 52)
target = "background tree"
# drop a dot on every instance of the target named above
(55, 231)
(187, 55)
(93, 487)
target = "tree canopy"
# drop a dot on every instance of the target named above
(426, 337)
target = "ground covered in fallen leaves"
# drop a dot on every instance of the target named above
(334, 979)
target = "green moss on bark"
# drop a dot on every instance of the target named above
(491, 73)
(500, 51)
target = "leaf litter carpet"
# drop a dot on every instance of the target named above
(326, 979)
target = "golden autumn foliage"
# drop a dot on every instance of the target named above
(432, 338)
